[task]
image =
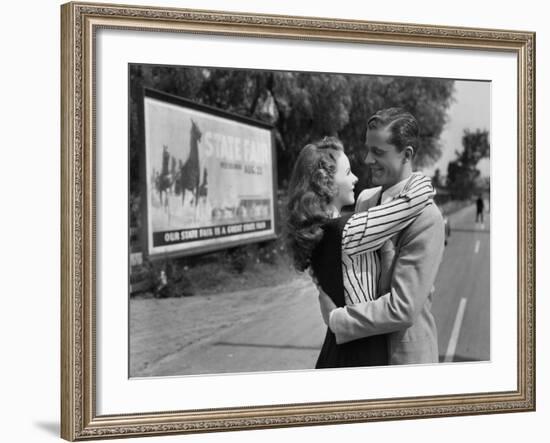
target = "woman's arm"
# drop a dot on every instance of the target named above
(367, 231)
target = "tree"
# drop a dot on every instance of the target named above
(462, 174)
(302, 106)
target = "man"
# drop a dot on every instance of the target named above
(479, 209)
(410, 260)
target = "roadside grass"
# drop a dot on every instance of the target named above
(248, 267)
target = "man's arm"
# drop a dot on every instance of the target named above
(412, 279)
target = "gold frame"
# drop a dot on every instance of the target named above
(79, 21)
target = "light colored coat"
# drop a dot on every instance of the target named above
(412, 258)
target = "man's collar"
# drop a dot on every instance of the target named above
(394, 191)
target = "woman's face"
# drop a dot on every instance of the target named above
(344, 181)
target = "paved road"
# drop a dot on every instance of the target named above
(461, 307)
(280, 328)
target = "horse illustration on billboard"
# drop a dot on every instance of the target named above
(189, 172)
(165, 180)
(178, 177)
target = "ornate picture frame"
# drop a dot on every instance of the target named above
(79, 396)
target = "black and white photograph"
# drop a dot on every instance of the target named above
(289, 220)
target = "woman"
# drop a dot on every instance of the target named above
(321, 185)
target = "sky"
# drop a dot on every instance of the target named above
(471, 109)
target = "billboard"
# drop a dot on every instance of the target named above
(210, 179)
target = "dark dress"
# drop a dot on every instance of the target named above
(326, 263)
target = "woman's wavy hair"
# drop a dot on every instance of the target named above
(311, 191)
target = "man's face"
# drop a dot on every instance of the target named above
(385, 162)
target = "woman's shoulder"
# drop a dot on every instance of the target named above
(337, 224)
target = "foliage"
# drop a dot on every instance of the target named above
(253, 265)
(463, 178)
(301, 106)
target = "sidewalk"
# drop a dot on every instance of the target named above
(277, 328)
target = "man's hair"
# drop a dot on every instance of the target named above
(401, 124)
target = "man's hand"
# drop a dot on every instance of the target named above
(326, 305)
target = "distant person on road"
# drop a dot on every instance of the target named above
(409, 262)
(320, 237)
(480, 206)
